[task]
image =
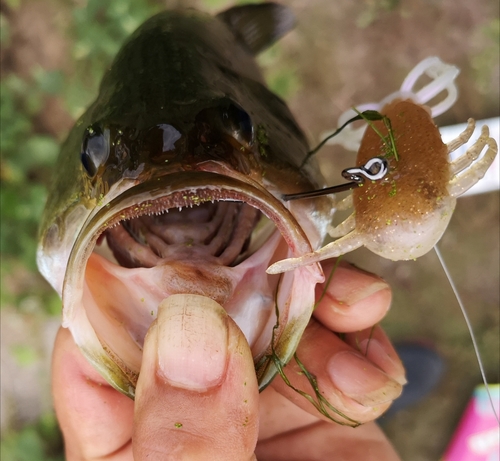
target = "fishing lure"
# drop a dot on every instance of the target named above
(402, 208)
(403, 214)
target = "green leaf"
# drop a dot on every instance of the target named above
(24, 355)
(217, 4)
(284, 82)
(49, 82)
(53, 305)
(13, 4)
(40, 150)
(48, 427)
(4, 31)
(39, 442)
(26, 445)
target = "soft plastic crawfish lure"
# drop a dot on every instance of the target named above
(404, 186)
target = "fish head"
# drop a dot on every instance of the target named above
(171, 183)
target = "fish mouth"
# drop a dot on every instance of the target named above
(190, 232)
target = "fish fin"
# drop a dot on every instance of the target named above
(258, 26)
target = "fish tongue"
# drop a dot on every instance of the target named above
(122, 303)
(201, 277)
(131, 296)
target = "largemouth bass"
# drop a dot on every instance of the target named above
(171, 183)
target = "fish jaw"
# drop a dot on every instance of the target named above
(112, 338)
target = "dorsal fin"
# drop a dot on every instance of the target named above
(258, 26)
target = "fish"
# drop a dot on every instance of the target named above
(175, 181)
(171, 183)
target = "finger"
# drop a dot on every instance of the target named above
(359, 390)
(197, 394)
(352, 299)
(279, 415)
(96, 420)
(374, 344)
(322, 441)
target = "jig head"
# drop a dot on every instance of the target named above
(374, 170)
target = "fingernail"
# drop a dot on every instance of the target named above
(386, 360)
(361, 381)
(192, 341)
(352, 285)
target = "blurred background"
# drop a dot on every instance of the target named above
(342, 53)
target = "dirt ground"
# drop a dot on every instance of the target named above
(344, 53)
(342, 65)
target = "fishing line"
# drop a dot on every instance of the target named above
(367, 116)
(469, 327)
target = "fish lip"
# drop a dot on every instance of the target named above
(223, 187)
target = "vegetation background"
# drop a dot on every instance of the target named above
(342, 53)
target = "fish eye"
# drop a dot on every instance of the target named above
(95, 148)
(238, 123)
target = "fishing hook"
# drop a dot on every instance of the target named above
(374, 170)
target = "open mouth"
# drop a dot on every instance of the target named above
(182, 236)
(219, 233)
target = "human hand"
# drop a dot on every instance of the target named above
(210, 410)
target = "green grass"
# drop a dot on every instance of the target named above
(28, 154)
(37, 442)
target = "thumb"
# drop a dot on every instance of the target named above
(197, 394)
